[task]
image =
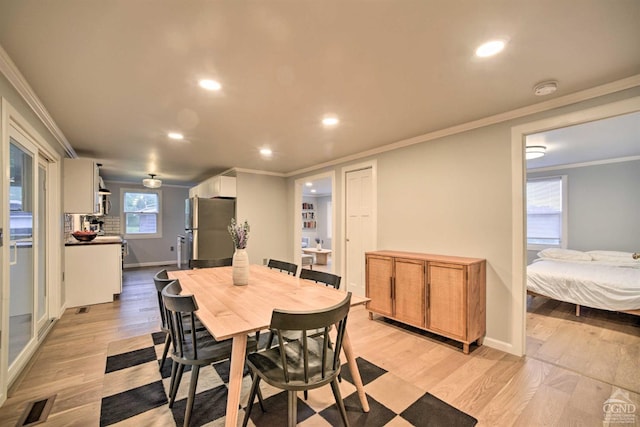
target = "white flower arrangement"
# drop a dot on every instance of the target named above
(239, 233)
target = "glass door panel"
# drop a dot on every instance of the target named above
(21, 259)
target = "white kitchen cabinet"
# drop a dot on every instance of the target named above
(216, 186)
(93, 273)
(81, 186)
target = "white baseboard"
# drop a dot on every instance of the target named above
(500, 345)
(150, 264)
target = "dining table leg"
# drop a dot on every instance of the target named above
(238, 353)
(355, 372)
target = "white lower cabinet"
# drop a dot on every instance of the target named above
(93, 273)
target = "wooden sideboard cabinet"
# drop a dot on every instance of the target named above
(445, 295)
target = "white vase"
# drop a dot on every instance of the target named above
(240, 270)
(319, 246)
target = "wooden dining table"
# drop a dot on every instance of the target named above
(229, 311)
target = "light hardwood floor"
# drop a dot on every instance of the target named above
(573, 366)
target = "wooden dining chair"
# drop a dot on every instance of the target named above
(161, 280)
(208, 263)
(191, 347)
(321, 277)
(283, 266)
(304, 364)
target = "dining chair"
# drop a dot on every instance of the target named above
(318, 277)
(208, 263)
(191, 347)
(321, 277)
(283, 266)
(161, 280)
(304, 364)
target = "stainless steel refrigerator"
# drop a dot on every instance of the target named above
(206, 222)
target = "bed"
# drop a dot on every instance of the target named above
(608, 280)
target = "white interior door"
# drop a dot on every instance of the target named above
(359, 224)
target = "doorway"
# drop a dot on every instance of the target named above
(315, 222)
(519, 135)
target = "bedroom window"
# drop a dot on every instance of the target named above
(546, 212)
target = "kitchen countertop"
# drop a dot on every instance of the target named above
(99, 240)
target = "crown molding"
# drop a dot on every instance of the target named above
(562, 101)
(584, 164)
(257, 172)
(14, 76)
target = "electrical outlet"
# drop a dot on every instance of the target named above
(171, 248)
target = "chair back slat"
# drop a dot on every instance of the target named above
(321, 277)
(283, 266)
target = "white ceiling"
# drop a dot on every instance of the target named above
(117, 75)
(612, 138)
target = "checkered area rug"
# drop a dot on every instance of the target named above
(135, 393)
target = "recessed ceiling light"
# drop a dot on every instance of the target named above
(490, 48)
(330, 121)
(209, 84)
(309, 184)
(175, 135)
(313, 190)
(545, 88)
(266, 152)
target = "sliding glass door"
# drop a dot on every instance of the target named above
(28, 294)
(22, 277)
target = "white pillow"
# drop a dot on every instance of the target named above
(612, 256)
(568, 254)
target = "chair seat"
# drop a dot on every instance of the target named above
(268, 365)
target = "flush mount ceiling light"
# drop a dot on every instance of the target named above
(209, 84)
(545, 88)
(175, 135)
(535, 151)
(330, 121)
(309, 184)
(152, 182)
(490, 48)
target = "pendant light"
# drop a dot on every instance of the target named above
(152, 182)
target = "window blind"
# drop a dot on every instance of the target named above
(544, 211)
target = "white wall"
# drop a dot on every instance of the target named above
(262, 200)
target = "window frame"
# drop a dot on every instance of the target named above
(123, 214)
(564, 240)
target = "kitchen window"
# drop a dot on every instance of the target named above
(141, 213)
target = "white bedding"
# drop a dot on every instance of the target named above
(592, 284)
